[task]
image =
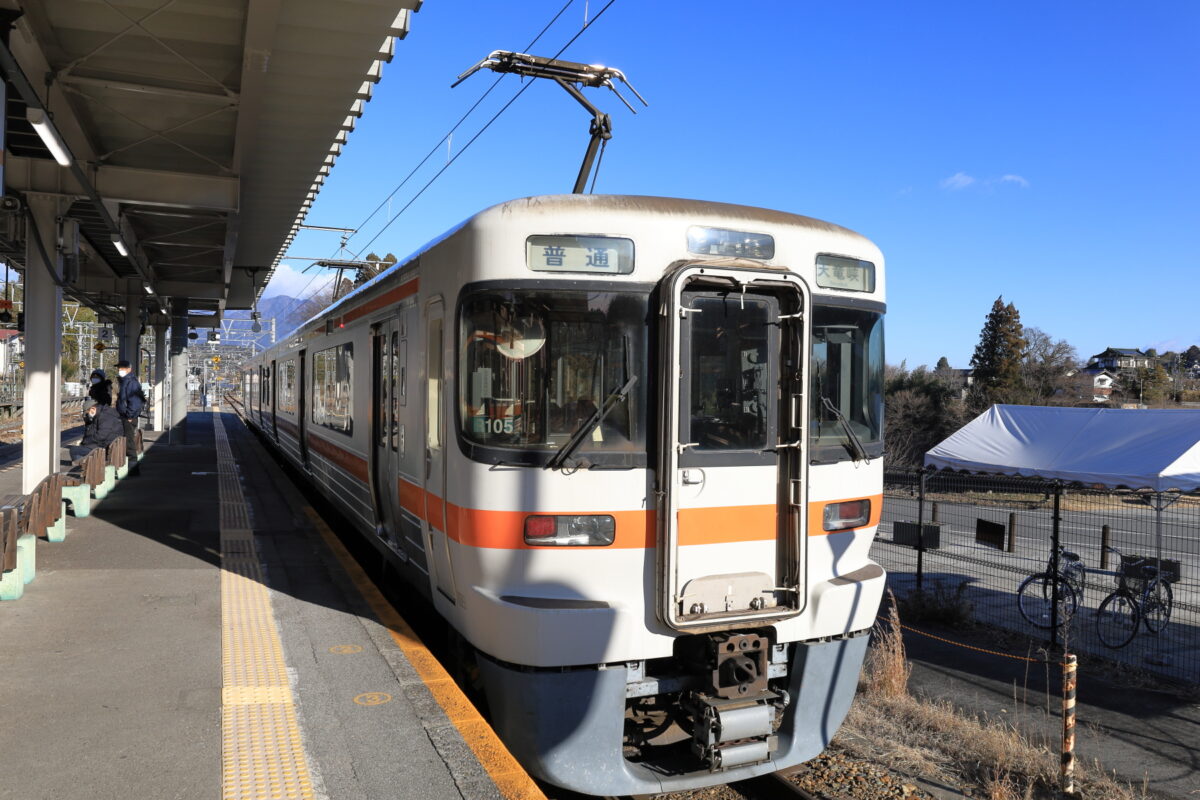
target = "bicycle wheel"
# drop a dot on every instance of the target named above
(1156, 605)
(1035, 600)
(1117, 619)
(1076, 575)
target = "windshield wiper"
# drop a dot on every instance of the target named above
(855, 446)
(589, 424)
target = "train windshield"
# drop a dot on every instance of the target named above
(846, 411)
(536, 365)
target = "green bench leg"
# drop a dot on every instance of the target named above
(58, 531)
(12, 585)
(110, 480)
(80, 498)
(27, 557)
(123, 470)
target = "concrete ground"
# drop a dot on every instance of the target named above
(111, 664)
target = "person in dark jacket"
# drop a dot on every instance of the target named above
(130, 402)
(102, 426)
(100, 389)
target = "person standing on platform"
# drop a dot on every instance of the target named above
(130, 402)
(100, 389)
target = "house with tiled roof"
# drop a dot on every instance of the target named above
(1121, 358)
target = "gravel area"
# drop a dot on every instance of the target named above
(837, 776)
(831, 776)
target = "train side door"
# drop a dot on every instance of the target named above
(273, 377)
(732, 451)
(436, 540)
(302, 405)
(385, 460)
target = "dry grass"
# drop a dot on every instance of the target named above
(999, 760)
(887, 669)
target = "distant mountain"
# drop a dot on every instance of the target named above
(287, 312)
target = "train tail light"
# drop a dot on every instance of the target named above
(566, 530)
(853, 514)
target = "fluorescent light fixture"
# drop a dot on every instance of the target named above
(119, 243)
(149, 290)
(45, 129)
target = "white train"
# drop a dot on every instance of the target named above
(630, 448)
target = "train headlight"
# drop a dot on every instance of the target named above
(590, 530)
(840, 516)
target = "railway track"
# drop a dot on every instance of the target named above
(765, 787)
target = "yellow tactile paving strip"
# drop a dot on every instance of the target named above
(504, 770)
(262, 755)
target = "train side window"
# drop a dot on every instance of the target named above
(402, 372)
(433, 406)
(332, 388)
(287, 387)
(385, 392)
(394, 377)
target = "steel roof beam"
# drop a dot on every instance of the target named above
(147, 187)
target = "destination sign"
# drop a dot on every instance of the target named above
(566, 253)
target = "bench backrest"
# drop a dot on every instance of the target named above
(9, 516)
(115, 452)
(93, 467)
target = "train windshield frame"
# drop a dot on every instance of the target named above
(847, 371)
(536, 360)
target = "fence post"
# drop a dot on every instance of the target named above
(1105, 541)
(1054, 567)
(1067, 771)
(921, 533)
(1012, 532)
(933, 511)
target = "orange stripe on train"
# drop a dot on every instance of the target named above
(505, 530)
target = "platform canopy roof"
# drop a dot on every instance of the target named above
(1135, 448)
(205, 129)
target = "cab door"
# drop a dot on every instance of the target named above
(732, 450)
(437, 542)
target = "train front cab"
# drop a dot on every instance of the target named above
(753, 684)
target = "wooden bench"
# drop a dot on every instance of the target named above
(116, 464)
(19, 511)
(84, 478)
(23, 518)
(54, 510)
(139, 445)
(12, 579)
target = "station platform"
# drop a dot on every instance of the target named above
(203, 633)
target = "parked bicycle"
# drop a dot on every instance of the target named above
(1035, 597)
(1143, 595)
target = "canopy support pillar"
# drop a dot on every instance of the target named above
(179, 370)
(40, 437)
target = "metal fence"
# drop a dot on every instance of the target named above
(968, 543)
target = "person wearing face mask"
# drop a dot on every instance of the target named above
(100, 388)
(130, 402)
(101, 427)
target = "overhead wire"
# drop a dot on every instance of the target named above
(455, 127)
(300, 296)
(487, 125)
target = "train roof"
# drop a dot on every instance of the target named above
(544, 205)
(661, 206)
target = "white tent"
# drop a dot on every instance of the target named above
(1136, 448)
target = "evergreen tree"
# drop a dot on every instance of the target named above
(997, 358)
(1192, 357)
(942, 364)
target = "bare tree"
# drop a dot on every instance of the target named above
(1045, 363)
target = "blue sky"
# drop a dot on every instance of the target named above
(1046, 152)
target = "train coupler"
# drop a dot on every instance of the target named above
(735, 717)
